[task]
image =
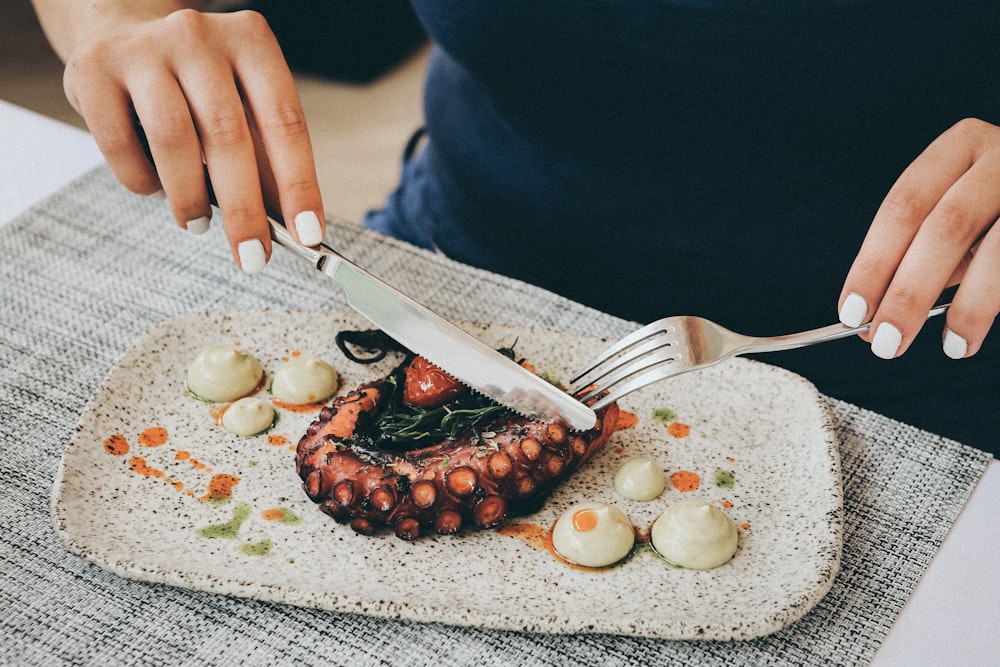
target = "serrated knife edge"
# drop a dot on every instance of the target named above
(442, 342)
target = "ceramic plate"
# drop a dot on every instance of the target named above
(152, 488)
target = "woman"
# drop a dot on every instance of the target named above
(734, 160)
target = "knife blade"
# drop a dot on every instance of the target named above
(419, 329)
(440, 341)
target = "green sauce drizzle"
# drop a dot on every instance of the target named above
(262, 548)
(724, 479)
(664, 415)
(229, 529)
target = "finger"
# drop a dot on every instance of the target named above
(220, 121)
(959, 273)
(907, 204)
(977, 301)
(939, 247)
(232, 167)
(231, 164)
(106, 108)
(277, 117)
(207, 81)
(173, 143)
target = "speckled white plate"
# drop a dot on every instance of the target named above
(143, 514)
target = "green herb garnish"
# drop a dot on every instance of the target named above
(411, 427)
(403, 427)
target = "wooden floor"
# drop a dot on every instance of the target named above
(358, 131)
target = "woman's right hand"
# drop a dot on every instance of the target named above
(208, 90)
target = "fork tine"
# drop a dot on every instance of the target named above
(623, 363)
(660, 327)
(653, 373)
(638, 359)
(623, 377)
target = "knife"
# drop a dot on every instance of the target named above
(417, 328)
(441, 342)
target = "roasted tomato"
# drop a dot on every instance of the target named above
(427, 386)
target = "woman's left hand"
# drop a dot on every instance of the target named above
(937, 227)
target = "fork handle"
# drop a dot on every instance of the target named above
(821, 335)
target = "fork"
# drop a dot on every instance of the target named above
(674, 345)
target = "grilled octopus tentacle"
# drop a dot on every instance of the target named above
(503, 469)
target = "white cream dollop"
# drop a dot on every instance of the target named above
(640, 479)
(695, 535)
(304, 380)
(248, 416)
(223, 373)
(593, 535)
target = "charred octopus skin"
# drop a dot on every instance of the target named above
(502, 466)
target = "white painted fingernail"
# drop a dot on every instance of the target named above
(954, 345)
(308, 229)
(251, 254)
(159, 194)
(886, 342)
(198, 226)
(854, 311)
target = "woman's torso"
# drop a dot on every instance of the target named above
(714, 158)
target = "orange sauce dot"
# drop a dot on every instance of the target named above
(685, 481)
(220, 487)
(273, 515)
(531, 534)
(745, 526)
(626, 420)
(584, 520)
(679, 429)
(154, 436)
(297, 407)
(138, 465)
(217, 411)
(116, 445)
(728, 505)
(182, 455)
(277, 440)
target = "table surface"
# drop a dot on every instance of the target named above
(950, 618)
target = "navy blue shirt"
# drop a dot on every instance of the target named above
(714, 158)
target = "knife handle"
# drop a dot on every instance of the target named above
(319, 257)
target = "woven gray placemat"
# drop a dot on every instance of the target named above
(86, 272)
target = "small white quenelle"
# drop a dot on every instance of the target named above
(593, 535)
(695, 535)
(640, 479)
(223, 373)
(248, 416)
(304, 380)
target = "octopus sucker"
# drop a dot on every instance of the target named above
(447, 522)
(461, 481)
(490, 470)
(407, 528)
(423, 494)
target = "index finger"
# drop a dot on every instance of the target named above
(279, 120)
